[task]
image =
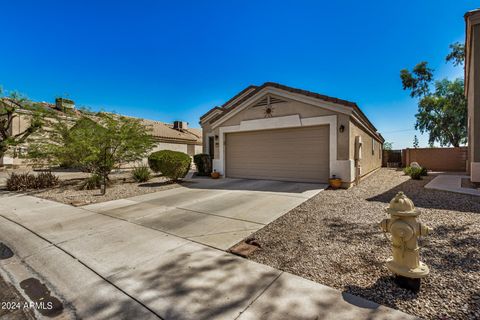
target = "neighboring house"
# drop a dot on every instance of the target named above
(472, 91)
(21, 121)
(277, 132)
(176, 136)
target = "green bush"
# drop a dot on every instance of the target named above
(26, 181)
(172, 164)
(424, 172)
(407, 170)
(203, 164)
(92, 182)
(415, 173)
(141, 174)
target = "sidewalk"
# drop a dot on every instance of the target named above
(101, 267)
(452, 183)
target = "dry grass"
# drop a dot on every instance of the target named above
(334, 239)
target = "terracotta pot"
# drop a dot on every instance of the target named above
(335, 183)
(215, 175)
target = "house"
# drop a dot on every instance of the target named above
(278, 132)
(176, 136)
(472, 91)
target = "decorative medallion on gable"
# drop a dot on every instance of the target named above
(268, 105)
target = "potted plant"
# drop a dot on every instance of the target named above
(215, 174)
(335, 182)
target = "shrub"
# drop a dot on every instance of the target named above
(141, 174)
(172, 164)
(407, 170)
(20, 181)
(46, 180)
(203, 164)
(424, 172)
(414, 172)
(92, 182)
(26, 181)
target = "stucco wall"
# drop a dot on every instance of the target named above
(438, 159)
(371, 149)
(19, 124)
(279, 109)
(343, 145)
(474, 96)
(191, 150)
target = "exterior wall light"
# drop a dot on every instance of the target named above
(341, 128)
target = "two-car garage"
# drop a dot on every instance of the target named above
(289, 154)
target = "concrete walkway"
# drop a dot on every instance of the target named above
(106, 268)
(452, 183)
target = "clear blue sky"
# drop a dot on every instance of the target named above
(170, 60)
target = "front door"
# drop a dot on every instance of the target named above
(211, 147)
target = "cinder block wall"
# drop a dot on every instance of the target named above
(437, 159)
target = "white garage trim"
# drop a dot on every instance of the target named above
(343, 169)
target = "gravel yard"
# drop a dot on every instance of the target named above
(122, 186)
(334, 239)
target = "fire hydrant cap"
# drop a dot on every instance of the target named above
(402, 205)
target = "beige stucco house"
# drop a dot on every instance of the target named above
(278, 132)
(472, 91)
(175, 136)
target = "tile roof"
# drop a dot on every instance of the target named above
(293, 90)
(166, 132)
(28, 106)
(160, 130)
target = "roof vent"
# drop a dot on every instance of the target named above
(268, 100)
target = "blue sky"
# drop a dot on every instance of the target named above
(174, 60)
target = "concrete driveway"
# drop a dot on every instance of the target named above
(217, 213)
(100, 267)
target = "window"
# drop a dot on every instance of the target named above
(373, 146)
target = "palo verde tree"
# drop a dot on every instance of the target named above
(10, 108)
(95, 143)
(442, 113)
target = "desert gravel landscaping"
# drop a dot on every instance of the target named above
(122, 185)
(334, 239)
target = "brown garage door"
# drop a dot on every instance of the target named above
(297, 154)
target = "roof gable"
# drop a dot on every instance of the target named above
(327, 102)
(247, 95)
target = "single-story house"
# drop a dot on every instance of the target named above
(278, 132)
(176, 136)
(168, 136)
(472, 91)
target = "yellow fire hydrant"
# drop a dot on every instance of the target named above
(405, 230)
